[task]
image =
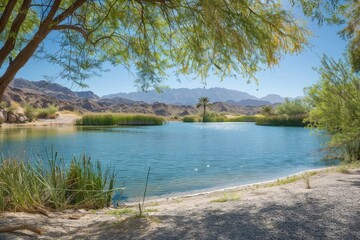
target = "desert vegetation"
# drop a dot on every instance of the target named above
(55, 184)
(112, 119)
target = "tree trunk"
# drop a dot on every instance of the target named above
(204, 113)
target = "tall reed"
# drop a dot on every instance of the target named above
(119, 119)
(294, 121)
(32, 185)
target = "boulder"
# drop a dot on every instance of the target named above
(11, 117)
(21, 119)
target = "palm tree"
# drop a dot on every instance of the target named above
(267, 110)
(203, 102)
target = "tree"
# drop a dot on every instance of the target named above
(152, 36)
(336, 102)
(267, 110)
(338, 12)
(293, 107)
(203, 102)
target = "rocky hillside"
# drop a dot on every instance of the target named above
(41, 94)
(190, 96)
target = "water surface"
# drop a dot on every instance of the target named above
(183, 157)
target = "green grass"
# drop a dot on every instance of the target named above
(215, 117)
(54, 185)
(122, 211)
(294, 121)
(244, 118)
(150, 210)
(227, 198)
(49, 112)
(112, 119)
(189, 119)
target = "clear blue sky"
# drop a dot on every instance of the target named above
(287, 79)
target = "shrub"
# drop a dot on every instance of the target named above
(30, 112)
(245, 118)
(290, 121)
(293, 108)
(189, 119)
(49, 112)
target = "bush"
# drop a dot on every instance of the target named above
(245, 118)
(49, 112)
(119, 119)
(290, 121)
(30, 112)
(293, 108)
(189, 119)
(34, 186)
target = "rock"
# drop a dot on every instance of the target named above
(11, 118)
(21, 119)
(20, 111)
(2, 118)
(5, 114)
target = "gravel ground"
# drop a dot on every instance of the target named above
(329, 210)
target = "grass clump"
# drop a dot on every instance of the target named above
(244, 118)
(49, 112)
(32, 185)
(189, 119)
(290, 121)
(122, 211)
(227, 198)
(113, 119)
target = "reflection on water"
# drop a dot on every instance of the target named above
(183, 157)
(27, 133)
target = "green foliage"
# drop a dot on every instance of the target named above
(119, 119)
(336, 101)
(189, 119)
(293, 107)
(30, 112)
(31, 186)
(200, 37)
(338, 12)
(227, 198)
(267, 110)
(3, 105)
(49, 112)
(289, 121)
(204, 102)
(214, 117)
(244, 118)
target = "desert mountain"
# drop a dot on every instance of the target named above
(185, 96)
(41, 94)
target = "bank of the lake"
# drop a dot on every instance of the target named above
(327, 210)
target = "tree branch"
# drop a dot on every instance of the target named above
(6, 14)
(14, 31)
(78, 29)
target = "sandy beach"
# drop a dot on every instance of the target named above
(330, 209)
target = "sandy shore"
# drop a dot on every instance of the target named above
(330, 209)
(62, 119)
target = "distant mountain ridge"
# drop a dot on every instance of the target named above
(185, 96)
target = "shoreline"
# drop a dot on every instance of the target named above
(288, 210)
(208, 191)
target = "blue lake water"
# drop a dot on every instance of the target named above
(184, 157)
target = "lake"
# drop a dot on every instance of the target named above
(184, 157)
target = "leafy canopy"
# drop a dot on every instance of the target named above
(152, 36)
(345, 12)
(336, 102)
(292, 107)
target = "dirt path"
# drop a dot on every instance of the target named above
(329, 210)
